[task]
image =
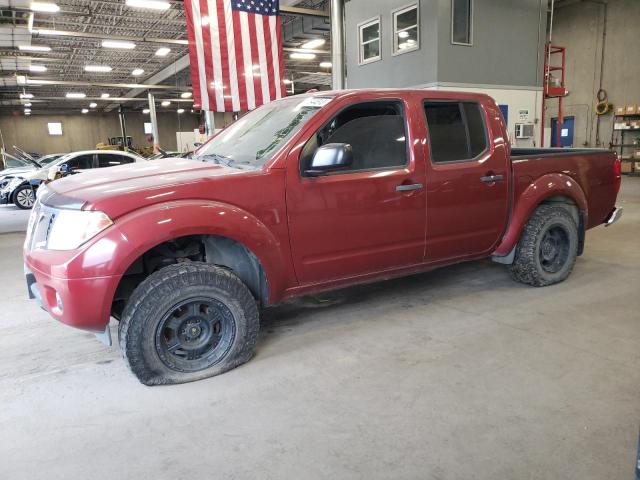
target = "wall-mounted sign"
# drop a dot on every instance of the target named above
(523, 115)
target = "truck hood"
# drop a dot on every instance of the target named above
(119, 190)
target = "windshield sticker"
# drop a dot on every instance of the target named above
(315, 102)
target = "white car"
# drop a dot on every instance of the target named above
(20, 188)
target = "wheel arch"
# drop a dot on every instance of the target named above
(555, 188)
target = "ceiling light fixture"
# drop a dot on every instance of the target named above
(118, 44)
(37, 68)
(145, 111)
(28, 104)
(34, 48)
(404, 34)
(137, 72)
(151, 4)
(97, 68)
(85, 110)
(286, 81)
(44, 7)
(318, 42)
(26, 95)
(185, 95)
(75, 95)
(27, 113)
(93, 105)
(302, 56)
(27, 110)
(105, 95)
(180, 110)
(163, 51)
(326, 65)
(165, 103)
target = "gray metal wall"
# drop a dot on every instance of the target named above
(508, 38)
(508, 44)
(579, 28)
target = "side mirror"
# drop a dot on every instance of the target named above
(330, 157)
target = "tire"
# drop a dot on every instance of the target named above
(24, 197)
(164, 326)
(547, 250)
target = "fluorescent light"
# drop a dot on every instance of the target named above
(27, 110)
(26, 95)
(28, 104)
(27, 113)
(44, 7)
(75, 95)
(151, 4)
(118, 44)
(163, 51)
(97, 68)
(93, 105)
(403, 34)
(34, 48)
(37, 68)
(286, 81)
(145, 111)
(318, 42)
(165, 103)
(85, 110)
(180, 110)
(326, 64)
(105, 95)
(185, 95)
(137, 72)
(302, 56)
(44, 31)
(21, 79)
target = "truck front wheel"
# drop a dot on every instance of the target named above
(547, 249)
(186, 322)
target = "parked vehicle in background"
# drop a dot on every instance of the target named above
(304, 194)
(20, 188)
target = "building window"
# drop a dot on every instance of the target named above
(457, 131)
(462, 22)
(55, 128)
(406, 33)
(369, 40)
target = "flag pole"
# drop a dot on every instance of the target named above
(337, 44)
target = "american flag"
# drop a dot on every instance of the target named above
(235, 52)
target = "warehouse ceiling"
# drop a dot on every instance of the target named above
(75, 35)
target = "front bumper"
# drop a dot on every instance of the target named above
(83, 303)
(613, 217)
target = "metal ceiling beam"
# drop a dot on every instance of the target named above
(46, 33)
(304, 11)
(142, 86)
(97, 99)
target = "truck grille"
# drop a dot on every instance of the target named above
(39, 228)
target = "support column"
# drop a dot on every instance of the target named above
(209, 123)
(337, 44)
(154, 122)
(123, 129)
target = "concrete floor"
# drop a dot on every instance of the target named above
(455, 374)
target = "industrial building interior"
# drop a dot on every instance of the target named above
(366, 361)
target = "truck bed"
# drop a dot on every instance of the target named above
(592, 169)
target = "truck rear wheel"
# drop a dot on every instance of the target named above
(186, 322)
(547, 250)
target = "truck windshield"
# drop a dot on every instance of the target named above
(253, 139)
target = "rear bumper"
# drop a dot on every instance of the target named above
(613, 217)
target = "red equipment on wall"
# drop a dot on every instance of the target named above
(554, 86)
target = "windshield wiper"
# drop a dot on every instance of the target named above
(220, 159)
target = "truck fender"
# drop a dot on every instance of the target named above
(543, 188)
(151, 226)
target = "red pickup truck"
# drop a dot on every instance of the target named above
(308, 193)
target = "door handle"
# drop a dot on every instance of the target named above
(492, 178)
(408, 187)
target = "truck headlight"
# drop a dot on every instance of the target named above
(72, 228)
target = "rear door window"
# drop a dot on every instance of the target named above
(457, 131)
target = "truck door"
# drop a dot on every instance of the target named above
(468, 175)
(369, 217)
